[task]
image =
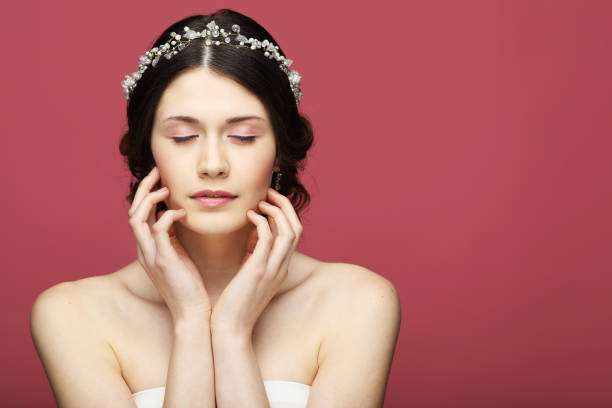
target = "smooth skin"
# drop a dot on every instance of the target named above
(162, 256)
(269, 249)
(353, 325)
(176, 277)
(360, 324)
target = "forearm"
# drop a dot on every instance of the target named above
(238, 380)
(190, 382)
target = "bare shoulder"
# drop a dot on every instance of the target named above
(356, 299)
(67, 328)
(349, 284)
(60, 308)
(362, 318)
(80, 308)
(69, 295)
(90, 297)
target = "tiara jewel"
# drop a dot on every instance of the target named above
(212, 35)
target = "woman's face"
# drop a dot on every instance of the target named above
(212, 157)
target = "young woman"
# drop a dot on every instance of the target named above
(219, 309)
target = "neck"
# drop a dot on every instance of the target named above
(218, 257)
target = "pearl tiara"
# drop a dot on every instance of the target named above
(212, 36)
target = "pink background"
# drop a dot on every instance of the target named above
(462, 151)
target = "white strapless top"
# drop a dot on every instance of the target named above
(281, 394)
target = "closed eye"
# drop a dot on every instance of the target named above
(245, 138)
(183, 139)
(242, 138)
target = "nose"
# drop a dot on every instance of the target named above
(212, 160)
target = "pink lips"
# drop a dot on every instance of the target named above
(203, 197)
(212, 192)
(213, 201)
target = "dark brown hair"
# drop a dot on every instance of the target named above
(250, 68)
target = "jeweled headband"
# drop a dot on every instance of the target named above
(212, 35)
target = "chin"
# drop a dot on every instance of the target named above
(215, 222)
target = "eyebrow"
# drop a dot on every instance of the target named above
(189, 119)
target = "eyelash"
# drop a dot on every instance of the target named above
(241, 138)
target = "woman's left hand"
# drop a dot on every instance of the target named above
(265, 266)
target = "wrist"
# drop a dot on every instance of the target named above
(228, 333)
(230, 340)
(192, 321)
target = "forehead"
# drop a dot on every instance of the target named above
(208, 96)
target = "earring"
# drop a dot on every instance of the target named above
(278, 176)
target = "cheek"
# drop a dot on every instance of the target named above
(256, 170)
(257, 176)
(160, 161)
(170, 165)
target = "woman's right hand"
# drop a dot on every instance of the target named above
(160, 253)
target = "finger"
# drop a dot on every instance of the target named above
(152, 218)
(172, 230)
(285, 238)
(141, 226)
(161, 236)
(271, 223)
(285, 204)
(287, 207)
(140, 256)
(144, 188)
(264, 238)
(251, 241)
(147, 207)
